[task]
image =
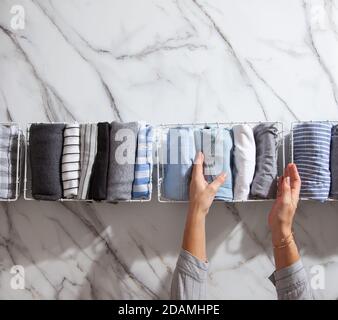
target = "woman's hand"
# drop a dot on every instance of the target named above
(201, 196)
(283, 211)
(201, 193)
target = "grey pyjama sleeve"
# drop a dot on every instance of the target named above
(190, 280)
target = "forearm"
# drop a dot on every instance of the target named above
(290, 277)
(287, 255)
(194, 234)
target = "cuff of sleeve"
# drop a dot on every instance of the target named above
(292, 275)
(192, 266)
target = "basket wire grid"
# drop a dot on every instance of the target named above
(28, 183)
(163, 129)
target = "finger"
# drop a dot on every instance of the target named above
(197, 170)
(286, 188)
(286, 171)
(279, 186)
(295, 181)
(215, 185)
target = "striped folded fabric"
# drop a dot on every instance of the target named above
(8, 158)
(311, 153)
(71, 160)
(88, 146)
(334, 162)
(144, 163)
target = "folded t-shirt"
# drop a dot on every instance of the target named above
(311, 154)
(45, 151)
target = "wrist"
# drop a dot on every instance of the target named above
(196, 210)
(279, 235)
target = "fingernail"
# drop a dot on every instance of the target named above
(287, 179)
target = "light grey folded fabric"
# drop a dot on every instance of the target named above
(8, 159)
(264, 184)
(88, 149)
(123, 138)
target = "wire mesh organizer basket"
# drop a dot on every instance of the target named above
(28, 179)
(291, 145)
(16, 163)
(163, 129)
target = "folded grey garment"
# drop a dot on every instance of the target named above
(123, 138)
(8, 160)
(45, 152)
(264, 184)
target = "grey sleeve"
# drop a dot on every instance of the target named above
(190, 278)
(292, 283)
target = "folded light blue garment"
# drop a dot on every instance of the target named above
(217, 147)
(143, 163)
(311, 153)
(180, 154)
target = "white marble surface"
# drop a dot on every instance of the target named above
(162, 61)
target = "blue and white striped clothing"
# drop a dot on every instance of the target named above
(144, 163)
(311, 153)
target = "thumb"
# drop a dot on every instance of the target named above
(215, 185)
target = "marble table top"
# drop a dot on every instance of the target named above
(162, 61)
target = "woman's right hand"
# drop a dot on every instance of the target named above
(201, 193)
(283, 210)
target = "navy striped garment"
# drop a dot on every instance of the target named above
(311, 154)
(144, 163)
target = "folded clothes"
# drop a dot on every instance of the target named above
(244, 160)
(8, 160)
(179, 155)
(217, 147)
(264, 184)
(45, 151)
(311, 154)
(88, 148)
(98, 179)
(144, 163)
(70, 164)
(334, 162)
(123, 138)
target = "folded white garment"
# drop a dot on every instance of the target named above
(244, 160)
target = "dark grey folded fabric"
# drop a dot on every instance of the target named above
(45, 151)
(334, 162)
(264, 184)
(121, 175)
(98, 179)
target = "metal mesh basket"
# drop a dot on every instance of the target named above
(162, 131)
(293, 125)
(28, 181)
(17, 163)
